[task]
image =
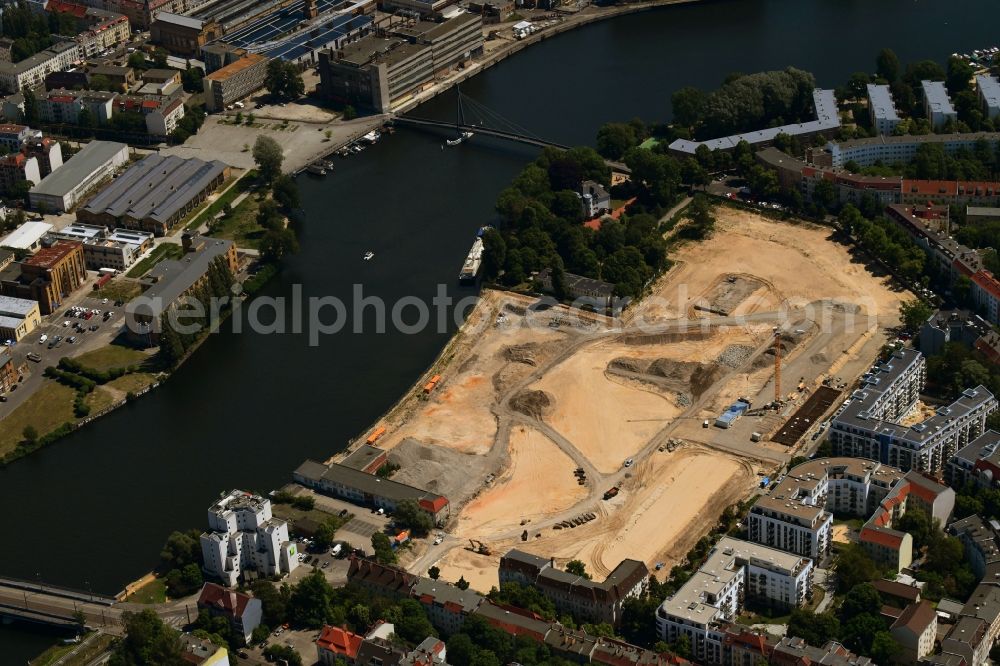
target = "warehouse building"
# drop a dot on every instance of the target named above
(368, 489)
(183, 35)
(28, 236)
(18, 317)
(154, 194)
(881, 109)
(63, 189)
(235, 81)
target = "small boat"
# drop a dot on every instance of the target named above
(372, 137)
(369, 255)
(316, 169)
(459, 140)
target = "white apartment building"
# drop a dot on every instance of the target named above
(901, 149)
(163, 121)
(881, 109)
(867, 424)
(712, 597)
(937, 103)
(989, 94)
(31, 71)
(245, 536)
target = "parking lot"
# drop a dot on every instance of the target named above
(50, 341)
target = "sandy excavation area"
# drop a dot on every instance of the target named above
(662, 510)
(797, 263)
(538, 483)
(607, 418)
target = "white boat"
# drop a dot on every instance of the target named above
(369, 255)
(459, 140)
(473, 262)
(316, 169)
(372, 137)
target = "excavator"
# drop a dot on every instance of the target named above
(479, 547)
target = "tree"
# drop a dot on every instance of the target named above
(814, 628)
(688, 104)
(285, 193)
(884, 648)
(30, 105)
(384, 552)
(30, 434)
(862, 599)
(268, 156)
(191, 80)
(285, 652)
(434, 573)
(413, 625)
(494, 253)
(918, 525)
(914, 313)
(854, 567)
(274, 601)
(887, 65)
(614, 139)
(260, 634)
(578, 568)
(959, 75)
(137, 60)
(277, 244)
(181, 549)
(461, 583)
(323, 536)
(410, 515)
(311, 601)
(147, 641)
(284, 80)
(350, 113)
(160, 58)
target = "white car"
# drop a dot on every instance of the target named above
(628, 463)
(66, 323)
(43, 339)
(437, 541)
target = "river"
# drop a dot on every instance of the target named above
(93, 509)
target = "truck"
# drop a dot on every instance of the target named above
(765, 482)
(610, 492)
(335, 551)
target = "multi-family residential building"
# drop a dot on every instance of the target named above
(946, 326)
(881, 109)
(977, 463)
(243, 612)
(575, 594)
(13, 136)
(163, 121)
(447, 606)
(47, 151)
(243, 535)
(868, 424)
(235, 81)
(793, 651)
(735, 570)
(594, 199)
(937, 103)
(989, 94)
(18, 317)
(30, 72)
(17, 169)
(104, 29)
(48, 276)
(827, 121)
(896, 149)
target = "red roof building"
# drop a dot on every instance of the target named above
(336, 642)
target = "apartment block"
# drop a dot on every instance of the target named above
(977, 463)
(868, 425)
(580, 596)
(881, 109)
(243, 535)
(31, 72)
(989, 94)
(235, 81)
(937, 103)
(735, 570)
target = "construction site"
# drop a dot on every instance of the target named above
(574, 436)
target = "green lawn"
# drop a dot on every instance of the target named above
(241, 225)
(132, 383)
(119, 289)
(306, 522)
(244, 184)
(99, 399)
(112, 356)
(154, 592)
(159, 253)
(46, 410)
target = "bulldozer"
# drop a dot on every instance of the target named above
(479, 547)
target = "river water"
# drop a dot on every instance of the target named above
(93, 510)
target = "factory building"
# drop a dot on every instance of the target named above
(63, 189)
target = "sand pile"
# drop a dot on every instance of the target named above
(535, 404)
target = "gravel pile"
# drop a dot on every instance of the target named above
(735, 356)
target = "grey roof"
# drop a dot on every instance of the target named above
(965, 139)
(173, 278)
(444, 593)
(981, 211)
(362, 457)
(65, 179)
(983, 446)
(155, 188)
(950, 606)
(363, 482)
(936, 96)
(16, 307)
(827, 118)
(34, 61)
(880, 99)
(179, 20)
(989, 88)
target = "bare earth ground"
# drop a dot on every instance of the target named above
(530, 395)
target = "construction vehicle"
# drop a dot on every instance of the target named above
(479, 547)
(610, 492)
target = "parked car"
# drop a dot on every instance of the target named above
(71, 339)
(42, 339)
(35, 358)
